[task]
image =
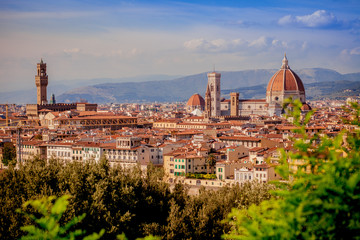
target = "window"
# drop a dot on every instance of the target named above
(189, 166)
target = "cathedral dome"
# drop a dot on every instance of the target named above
(285, 80)
(283, 84)
(196, 100)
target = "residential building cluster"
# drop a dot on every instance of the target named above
(209, 142)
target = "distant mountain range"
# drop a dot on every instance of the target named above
(318, 83)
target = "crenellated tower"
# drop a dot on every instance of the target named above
(41, 81)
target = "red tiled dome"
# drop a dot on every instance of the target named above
(285, 80)
(196, 100)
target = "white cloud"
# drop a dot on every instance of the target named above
(288, 19)
(355, 51)
(319, 18)
(135, 52)
(260, 42)
(251, 45)
(348, 52)
(71, 50)
(212, 45)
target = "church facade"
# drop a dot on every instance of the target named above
(283, 84)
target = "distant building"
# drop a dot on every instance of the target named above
(285, 83)
(195, 102)
(52, 99)
(212, 95)
(41, 81)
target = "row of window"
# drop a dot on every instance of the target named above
(26, 146)
(179, 166)
(261, 175)
(179, 174)
(59, 154)
(243, 176)
(122, 157)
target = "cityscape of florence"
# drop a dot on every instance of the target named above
(133, 119)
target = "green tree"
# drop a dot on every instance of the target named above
(210, 162)
(49, 211)
(321, 200)
(9, 154)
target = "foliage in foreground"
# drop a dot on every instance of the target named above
(47, 226)
(322, 200)
(120, 201)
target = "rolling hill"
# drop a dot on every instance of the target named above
(319, 82)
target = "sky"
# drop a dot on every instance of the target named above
(89, 39)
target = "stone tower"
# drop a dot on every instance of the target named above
(234, 101)
(214, 87)
(52, 99)
(41, 81)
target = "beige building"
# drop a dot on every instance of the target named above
(30, 149)
(248, 142)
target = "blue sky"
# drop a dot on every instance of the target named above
(114, 39)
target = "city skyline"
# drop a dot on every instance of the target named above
(95, 39)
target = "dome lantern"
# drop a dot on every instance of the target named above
(285, 62)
